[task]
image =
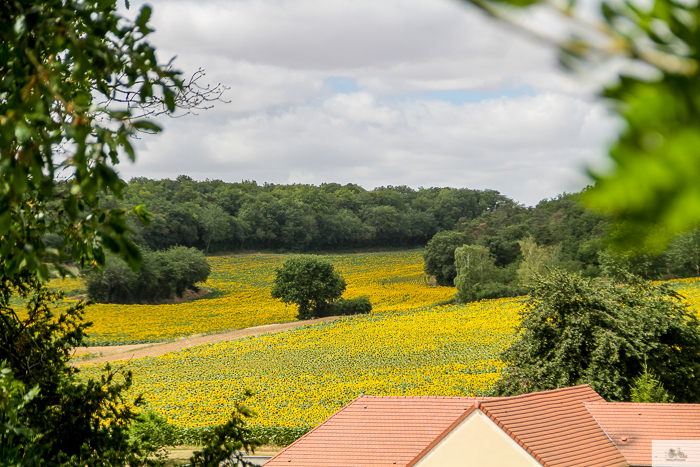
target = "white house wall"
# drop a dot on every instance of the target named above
(477, 442)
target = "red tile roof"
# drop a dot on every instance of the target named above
(555, 427)
(377, 431)
(632, 427)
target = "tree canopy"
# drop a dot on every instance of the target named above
(215, 215)
(65, 65)
(475, 268)
(162, 275)
(439, 256)
(576, 330)
(309, 282)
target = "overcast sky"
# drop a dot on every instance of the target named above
(374, 92)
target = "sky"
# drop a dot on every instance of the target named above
(422, 93)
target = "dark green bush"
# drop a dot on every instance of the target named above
(347, 307)
(71, 421)
(167, 434)
(491, 290)
(153, 432)
(163, 275)
(186, 267)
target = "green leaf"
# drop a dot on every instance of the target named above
(146, 90)
(23, 132)
(146, 125)
(143, 215)
(20, 26)
(143, 19)
(5, 222)
(169, 98)
(126, 144)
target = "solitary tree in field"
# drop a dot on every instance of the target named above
(535, 259)
(475, 266)
(310, 283)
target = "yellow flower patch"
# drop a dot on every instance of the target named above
(240, 297)
(302, 376)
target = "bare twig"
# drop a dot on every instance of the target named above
(192, 98)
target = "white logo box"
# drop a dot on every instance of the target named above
(675, 453)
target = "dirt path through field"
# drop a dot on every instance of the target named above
(128, 352)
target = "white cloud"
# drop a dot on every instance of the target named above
(286, 125)
(527, 147)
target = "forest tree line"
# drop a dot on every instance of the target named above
(217, 216)
(498, 253)
(506, 240)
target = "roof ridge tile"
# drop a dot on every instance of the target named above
(442, 435)
(553, 391)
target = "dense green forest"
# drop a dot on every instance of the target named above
(218, 216)
(513, 239)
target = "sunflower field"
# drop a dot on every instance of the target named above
(240, 297)
(300, 377)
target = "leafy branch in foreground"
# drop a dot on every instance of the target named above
(78, 422)
(66, 68)
(72, 420)
(191, 97)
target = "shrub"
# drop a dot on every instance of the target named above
(647, 387)
(160, 433)
(153, 432)
(185, 268)
(115, 283)
(347, 307)
(69, 420)
(163, 274)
